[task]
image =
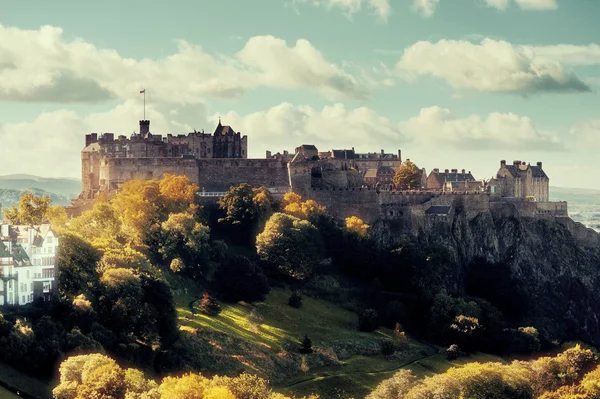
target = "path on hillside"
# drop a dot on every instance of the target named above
(393, 368)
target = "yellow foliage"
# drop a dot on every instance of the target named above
(290, 198)
(188, 386)
(304, 210)
(356, 225)
(177, 192)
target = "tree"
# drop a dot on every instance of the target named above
(396, 387)
(408, 176)
(295, 300)
(209, 305)
(31, 210)
(292, 204)
(246, 206)
(368, 320)
(240, 279)
(453, 352)
(306, 347)
(77, 272)
(290, 245)
(177, 193)
(357, 226)
(187, 239)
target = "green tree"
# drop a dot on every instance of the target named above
(408, 176)
(77, 272)
(240, 279)
(246, 209)
(290, 245)
(187, 239)
(306, 347)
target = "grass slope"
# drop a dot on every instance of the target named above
(264, 337)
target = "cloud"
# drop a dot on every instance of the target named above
(286, 126)
(497, 131)
(540, 5)
(490, 66)
(379, 8)
(54, 140)
(425, 7)
(41, 65)
(568, 53)
(586, 134)
(497, 4)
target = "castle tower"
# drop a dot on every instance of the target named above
(144, 128)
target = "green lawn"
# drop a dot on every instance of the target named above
(263, 338)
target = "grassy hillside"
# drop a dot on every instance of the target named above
(264, 338)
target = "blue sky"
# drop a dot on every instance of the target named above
(453, 83)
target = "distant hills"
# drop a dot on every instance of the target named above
(60, 190)
(584, 204)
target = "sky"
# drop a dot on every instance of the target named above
(454, 84)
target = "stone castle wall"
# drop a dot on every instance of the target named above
(209, 174)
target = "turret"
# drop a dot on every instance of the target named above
(144, 128)
(539, 164)
(503, 163)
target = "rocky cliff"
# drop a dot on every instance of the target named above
(540, 271)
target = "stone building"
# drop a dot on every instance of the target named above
(100, 159)
(449, 180)
(522, 181)
(27, 263)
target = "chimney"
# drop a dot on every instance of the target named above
(144, 128)
(503, 163)
(516, 163)
(285, 152)
(268, 154)
(539, 164)
(436, 170)
(463, 171)
(454, 170)
(446, 171)
(400, 155)
(109, 137)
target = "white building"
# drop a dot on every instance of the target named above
(27, 263)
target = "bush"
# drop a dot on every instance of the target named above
(240, 279)
(387, 348)
(453, 352)
(306, 347)
(295, 300)
(526, 340)
(368, 320)
(209, 305)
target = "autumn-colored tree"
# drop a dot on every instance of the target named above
(31, 210)
(137, 205)
(290, 245)
(177, 193)
(57, 217)
(357, 226)
(100, 226)
(209, 305)
(292, 204)
(408, 176)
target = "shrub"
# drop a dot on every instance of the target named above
(295, 300)
(240, 279)
(306, 347)
(368, 320)
(387, 348)
(453, 352)
(209, 305)
(526, 340)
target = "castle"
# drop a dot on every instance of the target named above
(345, 181)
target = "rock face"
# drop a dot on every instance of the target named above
(548, 268)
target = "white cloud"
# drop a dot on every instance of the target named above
(380, 8)
(569, 54)
(491, 66)
(286, 126)
(425, 7)
(506, 131)
(51, 144)
(537, 4)
(497, 4)
(40, 65)
(586, 134)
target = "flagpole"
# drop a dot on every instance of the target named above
(144, 104)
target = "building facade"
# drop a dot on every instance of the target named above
(521, 181)
(27, 263)
(449, 180)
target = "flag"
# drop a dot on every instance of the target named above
(142, 91)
